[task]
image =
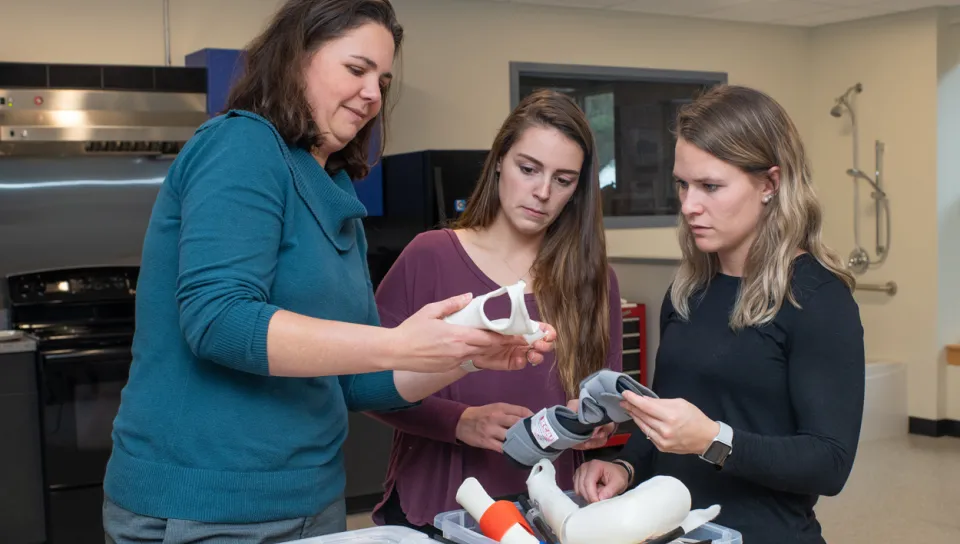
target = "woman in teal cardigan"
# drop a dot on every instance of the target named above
(257, 330)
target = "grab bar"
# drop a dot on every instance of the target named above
(889, 288)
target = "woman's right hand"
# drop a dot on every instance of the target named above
(426, 343)
(486, 426)
(599, 480)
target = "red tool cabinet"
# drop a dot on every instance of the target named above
(635, 341)
(634, 359)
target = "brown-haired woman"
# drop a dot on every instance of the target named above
(257, 327)
(760, 368)
(535, 216)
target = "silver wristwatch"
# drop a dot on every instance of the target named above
(721, 447)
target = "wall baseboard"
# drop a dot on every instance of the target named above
(937, 428)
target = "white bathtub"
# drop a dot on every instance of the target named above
(885, 401)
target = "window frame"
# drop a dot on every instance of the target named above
(616, 74)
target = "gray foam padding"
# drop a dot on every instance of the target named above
(600, 396)
(541, 436)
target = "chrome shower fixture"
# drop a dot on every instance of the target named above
(860, 259)
(858, 174)
(844, 100)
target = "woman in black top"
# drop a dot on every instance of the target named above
(761, 362)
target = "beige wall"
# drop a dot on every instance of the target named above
(125, 31)
(454, 74)
(648, 284)
(456, 85)
(895, 60)
(456, 80)
(455, 92)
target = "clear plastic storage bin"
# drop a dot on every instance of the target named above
(459, 527)
(373, 535)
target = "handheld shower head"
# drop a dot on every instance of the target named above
(855, 88)
(837, 110)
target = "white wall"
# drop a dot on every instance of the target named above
(948, 203)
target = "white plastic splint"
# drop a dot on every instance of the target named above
(519, 322)
(654, 508)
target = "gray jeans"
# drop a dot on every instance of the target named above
(124, 527)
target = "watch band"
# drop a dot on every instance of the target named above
(725, 439)
(725, 435)
(628, 467)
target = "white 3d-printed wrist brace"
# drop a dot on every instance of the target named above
(519, 322)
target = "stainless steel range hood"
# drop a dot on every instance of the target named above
(74, 110)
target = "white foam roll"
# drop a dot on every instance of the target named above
(518, 535)
(655, 507)
(473, 498)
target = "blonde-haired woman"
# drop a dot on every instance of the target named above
(761, 361)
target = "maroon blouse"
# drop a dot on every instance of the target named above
(427, 463)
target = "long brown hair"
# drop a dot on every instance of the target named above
(750, 130)
(571, 281)
(273, 85)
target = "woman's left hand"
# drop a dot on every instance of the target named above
(673, 425)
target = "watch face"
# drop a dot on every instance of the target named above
(716, 452)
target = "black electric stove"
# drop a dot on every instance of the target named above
(83, 319)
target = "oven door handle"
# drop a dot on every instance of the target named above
(88, 355)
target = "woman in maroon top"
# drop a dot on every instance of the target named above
(535, 216)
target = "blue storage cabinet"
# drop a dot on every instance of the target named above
(223, 66)
(370, 188)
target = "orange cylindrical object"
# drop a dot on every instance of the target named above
(499, 518)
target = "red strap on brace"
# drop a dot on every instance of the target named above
(499, 518)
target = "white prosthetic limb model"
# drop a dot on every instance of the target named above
(499, 520)
(519, 322)
(656, 507)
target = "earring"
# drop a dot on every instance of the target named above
(766, 199)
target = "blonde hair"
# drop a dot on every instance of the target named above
(748, 129)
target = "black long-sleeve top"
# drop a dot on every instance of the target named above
(792, 391)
